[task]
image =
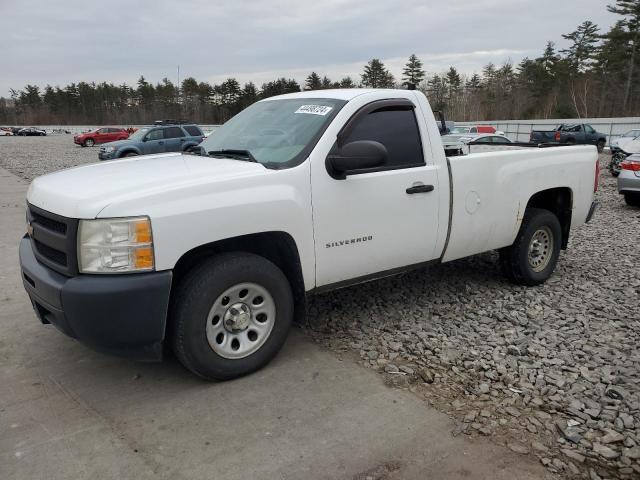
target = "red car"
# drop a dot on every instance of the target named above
(100, 135)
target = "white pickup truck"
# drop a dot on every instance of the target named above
(214, 254)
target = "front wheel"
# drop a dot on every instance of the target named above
(231, 315)
(533, 256)
(89, 142)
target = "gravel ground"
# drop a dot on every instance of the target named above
(551, 371)
(29, 157)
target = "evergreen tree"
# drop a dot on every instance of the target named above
(582, 50)
(413, 71)
(630, 10)
(347, 82)
(376, 75)
(313, 82)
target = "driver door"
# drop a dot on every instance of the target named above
(379, 219)
(154, 141)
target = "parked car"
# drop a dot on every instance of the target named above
(476, 138)
(629, 180)
(472, 129)
(571, 133)
(154, 139)
(5, 132)
(31, 132)
(297, 194)
(100, 135)
(620, 142)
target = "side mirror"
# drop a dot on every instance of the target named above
(354, 156)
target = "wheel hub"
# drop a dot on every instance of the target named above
(540, 249)
(237, 317)
(240, 320)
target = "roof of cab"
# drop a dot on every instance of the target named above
(337, 93)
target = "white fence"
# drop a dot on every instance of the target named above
(519, 130)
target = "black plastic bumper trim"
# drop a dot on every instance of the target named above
(119, 314)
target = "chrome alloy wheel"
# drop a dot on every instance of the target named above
(540, 249)
(240, 320)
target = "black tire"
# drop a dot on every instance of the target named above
(197, 293)
(129, 154)
(600, 146)
(516, 263)
(89, 142)
(632, 199)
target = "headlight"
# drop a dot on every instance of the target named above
(109, 149)
(115, 245)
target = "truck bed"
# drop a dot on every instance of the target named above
(490, 191)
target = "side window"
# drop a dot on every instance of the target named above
(473, 130)
(397, 130)
(193, 131)
(157, 134)
(588, 129)
(500, 140)
(103, 130)
(483, 140)
(173, 132)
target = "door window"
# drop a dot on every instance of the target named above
(155, 134)
(193, 131)
(173, 132)
(103, 130)
(397, 130)
(483, 140)
(588, 129)
(500, 140)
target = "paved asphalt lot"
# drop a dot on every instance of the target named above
(69, 413)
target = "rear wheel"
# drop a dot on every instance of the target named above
(632, 199)
(600, 146)
(231, 315)
(533, 256)
(89, 142)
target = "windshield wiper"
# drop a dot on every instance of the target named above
(234, 154)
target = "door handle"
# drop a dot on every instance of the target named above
(161, 143)
(182, 139)
(419, 189)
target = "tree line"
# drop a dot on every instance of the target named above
(596, 75)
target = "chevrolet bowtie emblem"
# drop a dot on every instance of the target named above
(30, 229)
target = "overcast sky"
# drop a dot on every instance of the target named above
(63, 41)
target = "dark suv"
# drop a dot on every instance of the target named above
(159, 138)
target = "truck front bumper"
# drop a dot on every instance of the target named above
(124, 314)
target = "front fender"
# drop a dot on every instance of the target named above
(209, 210)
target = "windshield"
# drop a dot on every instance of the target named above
(138, 134)
(459, 130)
(277, 133)
(631, 133)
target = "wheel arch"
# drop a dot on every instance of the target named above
(126, 150)
(276, 246)
(558, 200)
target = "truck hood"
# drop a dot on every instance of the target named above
(83, 192)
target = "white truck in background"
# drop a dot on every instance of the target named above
(214, 254)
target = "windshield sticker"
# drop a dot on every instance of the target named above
(314, 109)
